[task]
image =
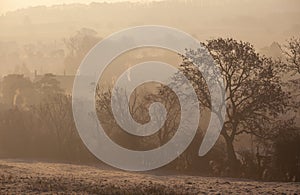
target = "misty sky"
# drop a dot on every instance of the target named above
(10, 5)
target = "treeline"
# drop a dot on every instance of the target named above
(36, 118)
(36, 121)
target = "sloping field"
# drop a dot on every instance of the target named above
(19, 177)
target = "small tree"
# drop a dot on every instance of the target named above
(292, 51)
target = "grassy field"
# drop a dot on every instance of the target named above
(23, 177)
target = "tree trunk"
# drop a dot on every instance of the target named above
(232, 161)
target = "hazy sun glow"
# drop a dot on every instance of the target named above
(10, 5)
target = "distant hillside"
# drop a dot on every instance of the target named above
(35, 37)
(259, 22)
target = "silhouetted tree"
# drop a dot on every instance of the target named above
(292, 51)
(254, 97)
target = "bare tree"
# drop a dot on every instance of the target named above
(254, 97)
(139, 103)
(292, 51)
(55, 114)
(137, 107)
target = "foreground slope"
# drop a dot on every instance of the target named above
(37, 178)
